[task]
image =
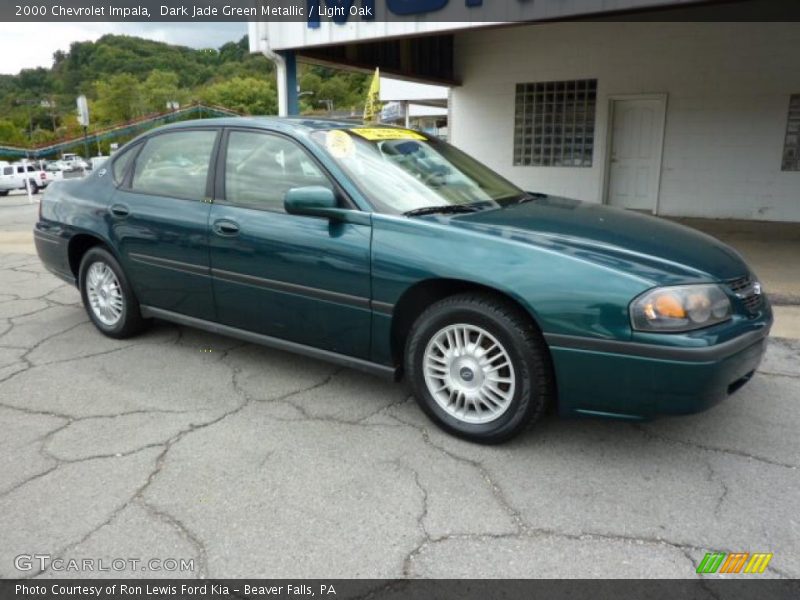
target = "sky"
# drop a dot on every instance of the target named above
(28, 45)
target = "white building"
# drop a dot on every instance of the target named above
(418, 105)
(691, 118)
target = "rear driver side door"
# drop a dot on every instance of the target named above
(159, 217)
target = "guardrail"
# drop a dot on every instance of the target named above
(139, 123)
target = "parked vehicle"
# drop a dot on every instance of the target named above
(73, 161)
(13, 176)
(55, 170)
(6, 183)
(96, 161)
(389, 251)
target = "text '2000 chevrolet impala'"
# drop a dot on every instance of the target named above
(385, 250)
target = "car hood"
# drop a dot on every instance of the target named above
(647, 247)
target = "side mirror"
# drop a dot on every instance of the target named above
(318, 201)
(313, 200)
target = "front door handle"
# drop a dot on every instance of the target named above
(225, 227)
(120, 210)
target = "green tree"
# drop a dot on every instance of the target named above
(10, 133)
(159, 88)
(246, 95)
(118, 98)
(124, 77)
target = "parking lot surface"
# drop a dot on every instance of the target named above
(251, 462)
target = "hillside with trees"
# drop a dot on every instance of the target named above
(127, 77)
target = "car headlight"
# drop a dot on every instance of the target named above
(680, 308)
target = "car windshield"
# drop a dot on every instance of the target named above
(404, 171)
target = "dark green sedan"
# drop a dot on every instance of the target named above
(385, 250)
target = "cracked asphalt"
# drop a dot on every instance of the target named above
(257, 463)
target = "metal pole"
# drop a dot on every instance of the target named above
(27, 180)
(85, 143)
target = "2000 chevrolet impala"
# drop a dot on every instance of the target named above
(385, 250)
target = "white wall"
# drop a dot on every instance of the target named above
(728, 87)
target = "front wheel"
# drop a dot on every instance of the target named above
(479, 367)
(107, 295)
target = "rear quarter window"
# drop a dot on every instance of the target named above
(120, 166)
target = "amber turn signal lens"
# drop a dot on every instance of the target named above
(668, 305)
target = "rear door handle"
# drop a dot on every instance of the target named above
(225, 228)
(120, 210)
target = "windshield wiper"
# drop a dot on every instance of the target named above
(444, 209)
(528, 197)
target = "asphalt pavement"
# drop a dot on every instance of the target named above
(248, 462)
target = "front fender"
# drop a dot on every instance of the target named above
(564, 293)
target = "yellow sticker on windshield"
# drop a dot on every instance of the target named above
(339, 144)
(375, 134)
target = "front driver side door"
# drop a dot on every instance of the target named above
(299, 278)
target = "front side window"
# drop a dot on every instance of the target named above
(260, 168)
(175, 164)
(402, 170)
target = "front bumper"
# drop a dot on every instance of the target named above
(641, 381)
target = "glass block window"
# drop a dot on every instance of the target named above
(554, 123)
(791, 146)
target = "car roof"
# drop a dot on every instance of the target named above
(286, 124)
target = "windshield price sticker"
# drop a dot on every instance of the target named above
(339, 144)
(375, 134)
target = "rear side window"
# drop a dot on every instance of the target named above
(175, 164)
(121, 162)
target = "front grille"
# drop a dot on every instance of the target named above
(748, 291)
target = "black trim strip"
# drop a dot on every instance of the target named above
(167, 263)
(382, 307)
(292, 288)
(272, 342)
(686, 354)
(269, 284)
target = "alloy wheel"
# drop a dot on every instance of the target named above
(104, 293)
(469, 373)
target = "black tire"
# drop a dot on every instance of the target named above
(524, 345)
(3, 192)
(130, 321)
(34, 187)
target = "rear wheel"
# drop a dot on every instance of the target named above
(479, 367)
(107, 295)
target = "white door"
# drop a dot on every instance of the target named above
(635, 159)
